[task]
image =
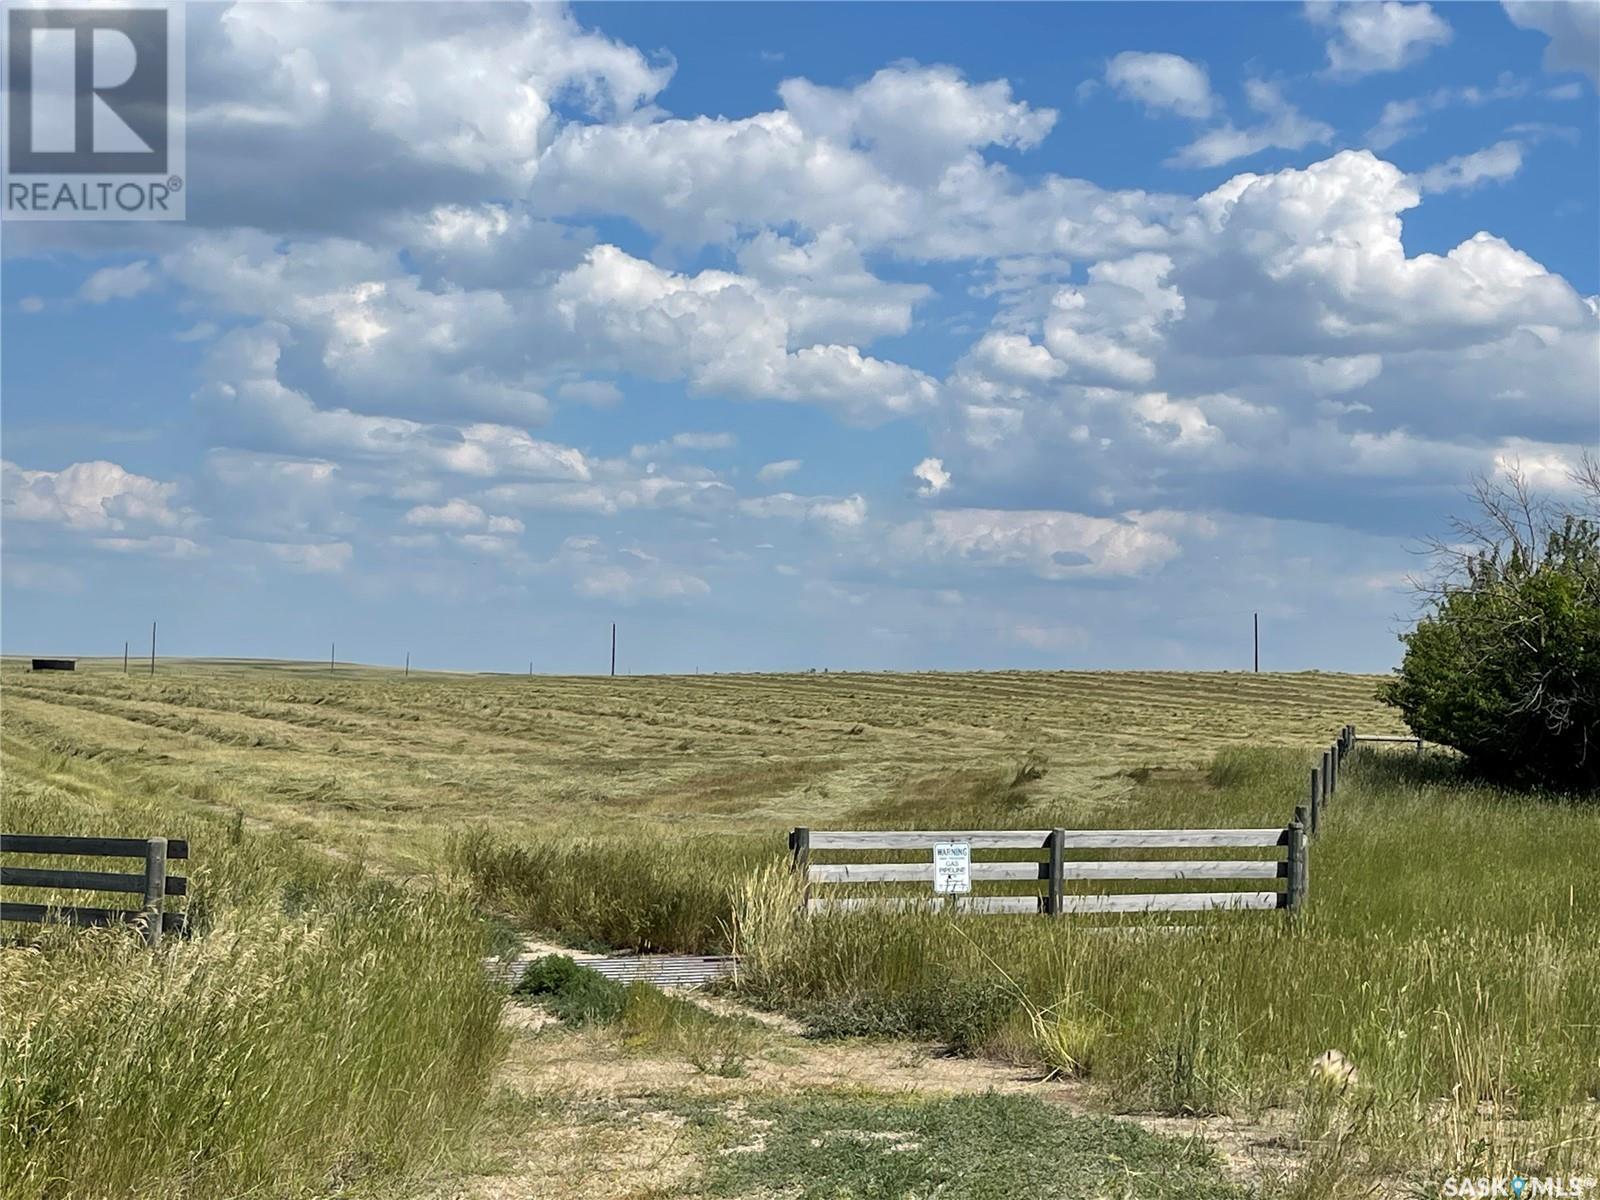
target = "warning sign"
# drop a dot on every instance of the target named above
(952, 868)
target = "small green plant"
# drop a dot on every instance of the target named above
(655, 1023)
(963, 1013)
(575, 994)
(822, 1146)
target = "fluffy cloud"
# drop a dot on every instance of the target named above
(1282, 127)
(916, 120)
(1166, 82)
(91, 496)
(932, 477)
(435, 227)
(1492, 164)
(1383, 35)
(1402, 119)
(832, 159)
(1573, 27)
(774, 471)
(117, 283)
(1288, 335)
(461, 515)
(1104, 331)
(1323, 247)
(724, 334)
(848, 512)
(1051, 545)
(343, 109)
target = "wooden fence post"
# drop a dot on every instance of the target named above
(155, 888)
(1327, 777)
(1333, 763)
(1054, 889)
(800, 847)
(1316, 802)
(1301, 871)
(1291, 885)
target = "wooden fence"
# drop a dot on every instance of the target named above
(154, 885)
(1040, 857)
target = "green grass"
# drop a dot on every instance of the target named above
(615, 891)
(322, 1026)
(987, 1147)
(650, 1021)
(1448, 949)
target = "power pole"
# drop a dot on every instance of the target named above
(152, 647)
(124, 658)
(330, 658)
(408, 664)
(1258, 642)
(613, 649)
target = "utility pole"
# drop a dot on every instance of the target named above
(152, 647)
(613, 649)
(1258, 642)
(330, 658)
(408, 664)
(124, 658)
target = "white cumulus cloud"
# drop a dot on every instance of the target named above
(1377, 35)
(1167, 82)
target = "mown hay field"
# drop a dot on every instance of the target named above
(366, 759)
(1448, 949)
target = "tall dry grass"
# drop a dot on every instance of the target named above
(616, 892)
(1449, 949)
(319, 1027)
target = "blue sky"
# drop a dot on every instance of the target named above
(787, 336)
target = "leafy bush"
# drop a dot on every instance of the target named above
(576, 994)
(1506, 666)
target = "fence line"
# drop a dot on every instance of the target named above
(1054, 871)
(154, 884)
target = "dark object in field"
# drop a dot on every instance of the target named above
(154, 884)
(55, 664)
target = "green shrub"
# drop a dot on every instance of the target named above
(1506, 665)
(576, 994)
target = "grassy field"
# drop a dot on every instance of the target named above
(366, 760)
(1448, 950)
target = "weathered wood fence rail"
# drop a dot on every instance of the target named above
(154, 885)
(1040, 856)
(1054, 870)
